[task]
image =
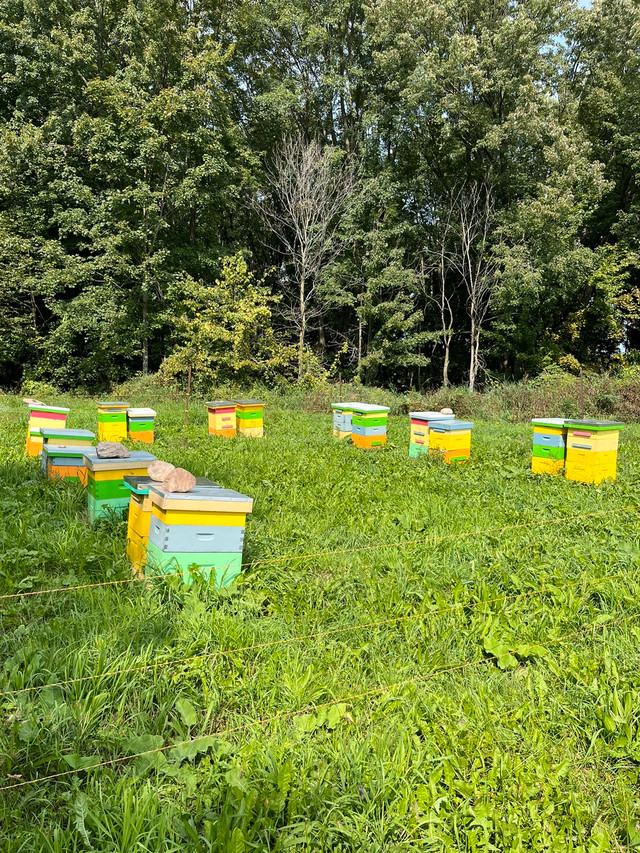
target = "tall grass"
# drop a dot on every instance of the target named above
(536, 755)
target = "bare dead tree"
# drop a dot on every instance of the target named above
(305, 192)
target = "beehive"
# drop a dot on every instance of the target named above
(139, 517)
(41, 415)
(60, 462)
(450, 440)
(198, 531)
(342, 415)
(222, 418)
(64, 439)
(420, 422)
(141, 425)
(112, 421)
(592, 450)
(106, 491)
(249, 418)
(549, 445)
(369, 425)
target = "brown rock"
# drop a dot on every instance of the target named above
(160, 470)
(111, 450)
(179, 480)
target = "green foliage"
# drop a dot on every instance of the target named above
(534, 747)
(226, 333)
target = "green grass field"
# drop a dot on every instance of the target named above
(475, 693)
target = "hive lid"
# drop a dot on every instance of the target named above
(50, 432)
(431, 416)
(135, 459)
(369, 408)
(452, 426)
(115, 405)
(220, 404)
(63, 450)
(42, 408)
(347, 407)
(140, 483)
(209, 497)
(249, 403)
(595, 425)
(141, 413)
(552, 422)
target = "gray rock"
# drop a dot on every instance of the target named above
(111, 450)
(446, 411)
(179, 480)
(159, 470)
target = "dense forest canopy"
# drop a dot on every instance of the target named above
(411, 193)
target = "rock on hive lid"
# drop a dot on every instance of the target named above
(140, 483)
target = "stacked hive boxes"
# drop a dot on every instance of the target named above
(202, 528)
(549, 445)
(592, 450)
(140, 424)
(63, 452)
(112, 421)
(249, 417)
(450, 440)
(342, 414)
(369, 425)
(40, 416)
(222, 418)
(106, 491)
(420, 423)
(140, 517)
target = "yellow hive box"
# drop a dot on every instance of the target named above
(546, 466)
(200, 518)
(449, 441)
(550, 430)
(596, 443)
(119, 473)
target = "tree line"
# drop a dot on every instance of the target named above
(411, 194)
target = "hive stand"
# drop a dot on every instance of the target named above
(202, 529)
(112, 420)
(249, 418)
(549, 445)
(420, 422)
(106, 491)
(141, 425)
(592, 450)
(222, 418)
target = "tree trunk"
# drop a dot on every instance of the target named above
(445, 366)
(303, 328)
(145, 333)
(472, 356)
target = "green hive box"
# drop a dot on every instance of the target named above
(225, 567)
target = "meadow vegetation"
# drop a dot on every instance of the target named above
(458, 692)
